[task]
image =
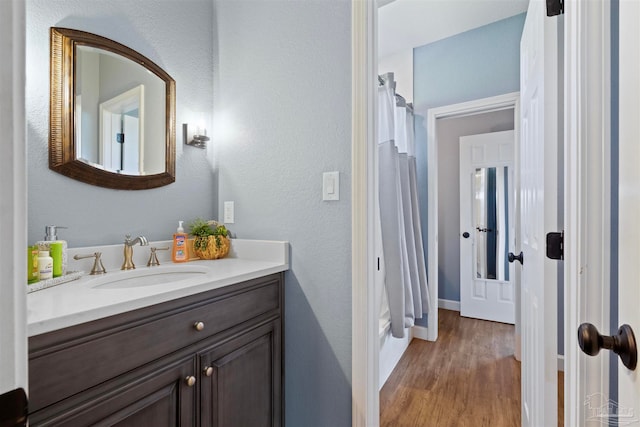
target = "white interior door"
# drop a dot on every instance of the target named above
(114, 162)
(486, 218)
(132, 151)
(538, 196)
(629, 204)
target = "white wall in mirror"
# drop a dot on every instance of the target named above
(162, 31)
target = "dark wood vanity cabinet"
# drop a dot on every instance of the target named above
(240, 380)
(211, 359)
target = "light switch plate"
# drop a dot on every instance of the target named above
(331, 186)
(229, 212)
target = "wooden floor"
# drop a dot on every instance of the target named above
(469, 377)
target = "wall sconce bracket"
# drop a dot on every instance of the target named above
(198, 141)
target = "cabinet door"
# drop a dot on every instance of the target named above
(156, 395)
(241, 380)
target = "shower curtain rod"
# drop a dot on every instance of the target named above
(400, 100)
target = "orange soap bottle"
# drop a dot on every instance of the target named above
(180, 251)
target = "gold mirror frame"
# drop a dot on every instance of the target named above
(62, 148)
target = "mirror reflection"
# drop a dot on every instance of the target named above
(491, 222)
(120, 112)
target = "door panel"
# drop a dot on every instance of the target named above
(538, 196)
(487, 215)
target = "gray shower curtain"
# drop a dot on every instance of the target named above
(404, 263)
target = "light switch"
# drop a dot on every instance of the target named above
(228, 212)
(331, 186)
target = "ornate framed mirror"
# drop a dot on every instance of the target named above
(112, 113)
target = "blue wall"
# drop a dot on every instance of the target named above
(143, 26)
(283, 82)
(475, 64)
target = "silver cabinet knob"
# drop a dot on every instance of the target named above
(208, 371)
(190, 380)
(199, 326)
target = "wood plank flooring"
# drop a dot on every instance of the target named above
(469, 377)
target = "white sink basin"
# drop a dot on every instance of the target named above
(150, 276)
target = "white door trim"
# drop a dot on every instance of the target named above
(364, 338)
(485, 105)
(629, 202)
(587, 159)
(13, 211)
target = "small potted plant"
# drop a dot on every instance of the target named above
(211, 239)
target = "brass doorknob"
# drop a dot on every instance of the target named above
(623, 344)
(190, 380)
(199, 326)
(208, 371)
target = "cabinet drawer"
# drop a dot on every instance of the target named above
(77, 358)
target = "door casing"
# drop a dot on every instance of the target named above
(587, 185)
(13, 187)
(485, 105)
(629, 206)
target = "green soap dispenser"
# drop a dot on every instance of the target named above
(56, 247)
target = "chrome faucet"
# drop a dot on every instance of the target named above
(128, 250)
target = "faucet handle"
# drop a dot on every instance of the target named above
(153, 258)
(98, 267)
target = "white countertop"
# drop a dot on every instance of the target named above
(94, 297)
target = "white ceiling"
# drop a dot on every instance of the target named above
(405, 24)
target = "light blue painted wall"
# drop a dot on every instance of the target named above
(283, 88)
(175, 34)
(475, 64)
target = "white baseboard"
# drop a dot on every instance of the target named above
(561, 363)
(420, 332)
(449, 304)
(391, 351)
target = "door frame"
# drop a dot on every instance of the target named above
(13, 187)
(587, 148)
(463, 109)
(365, 341)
